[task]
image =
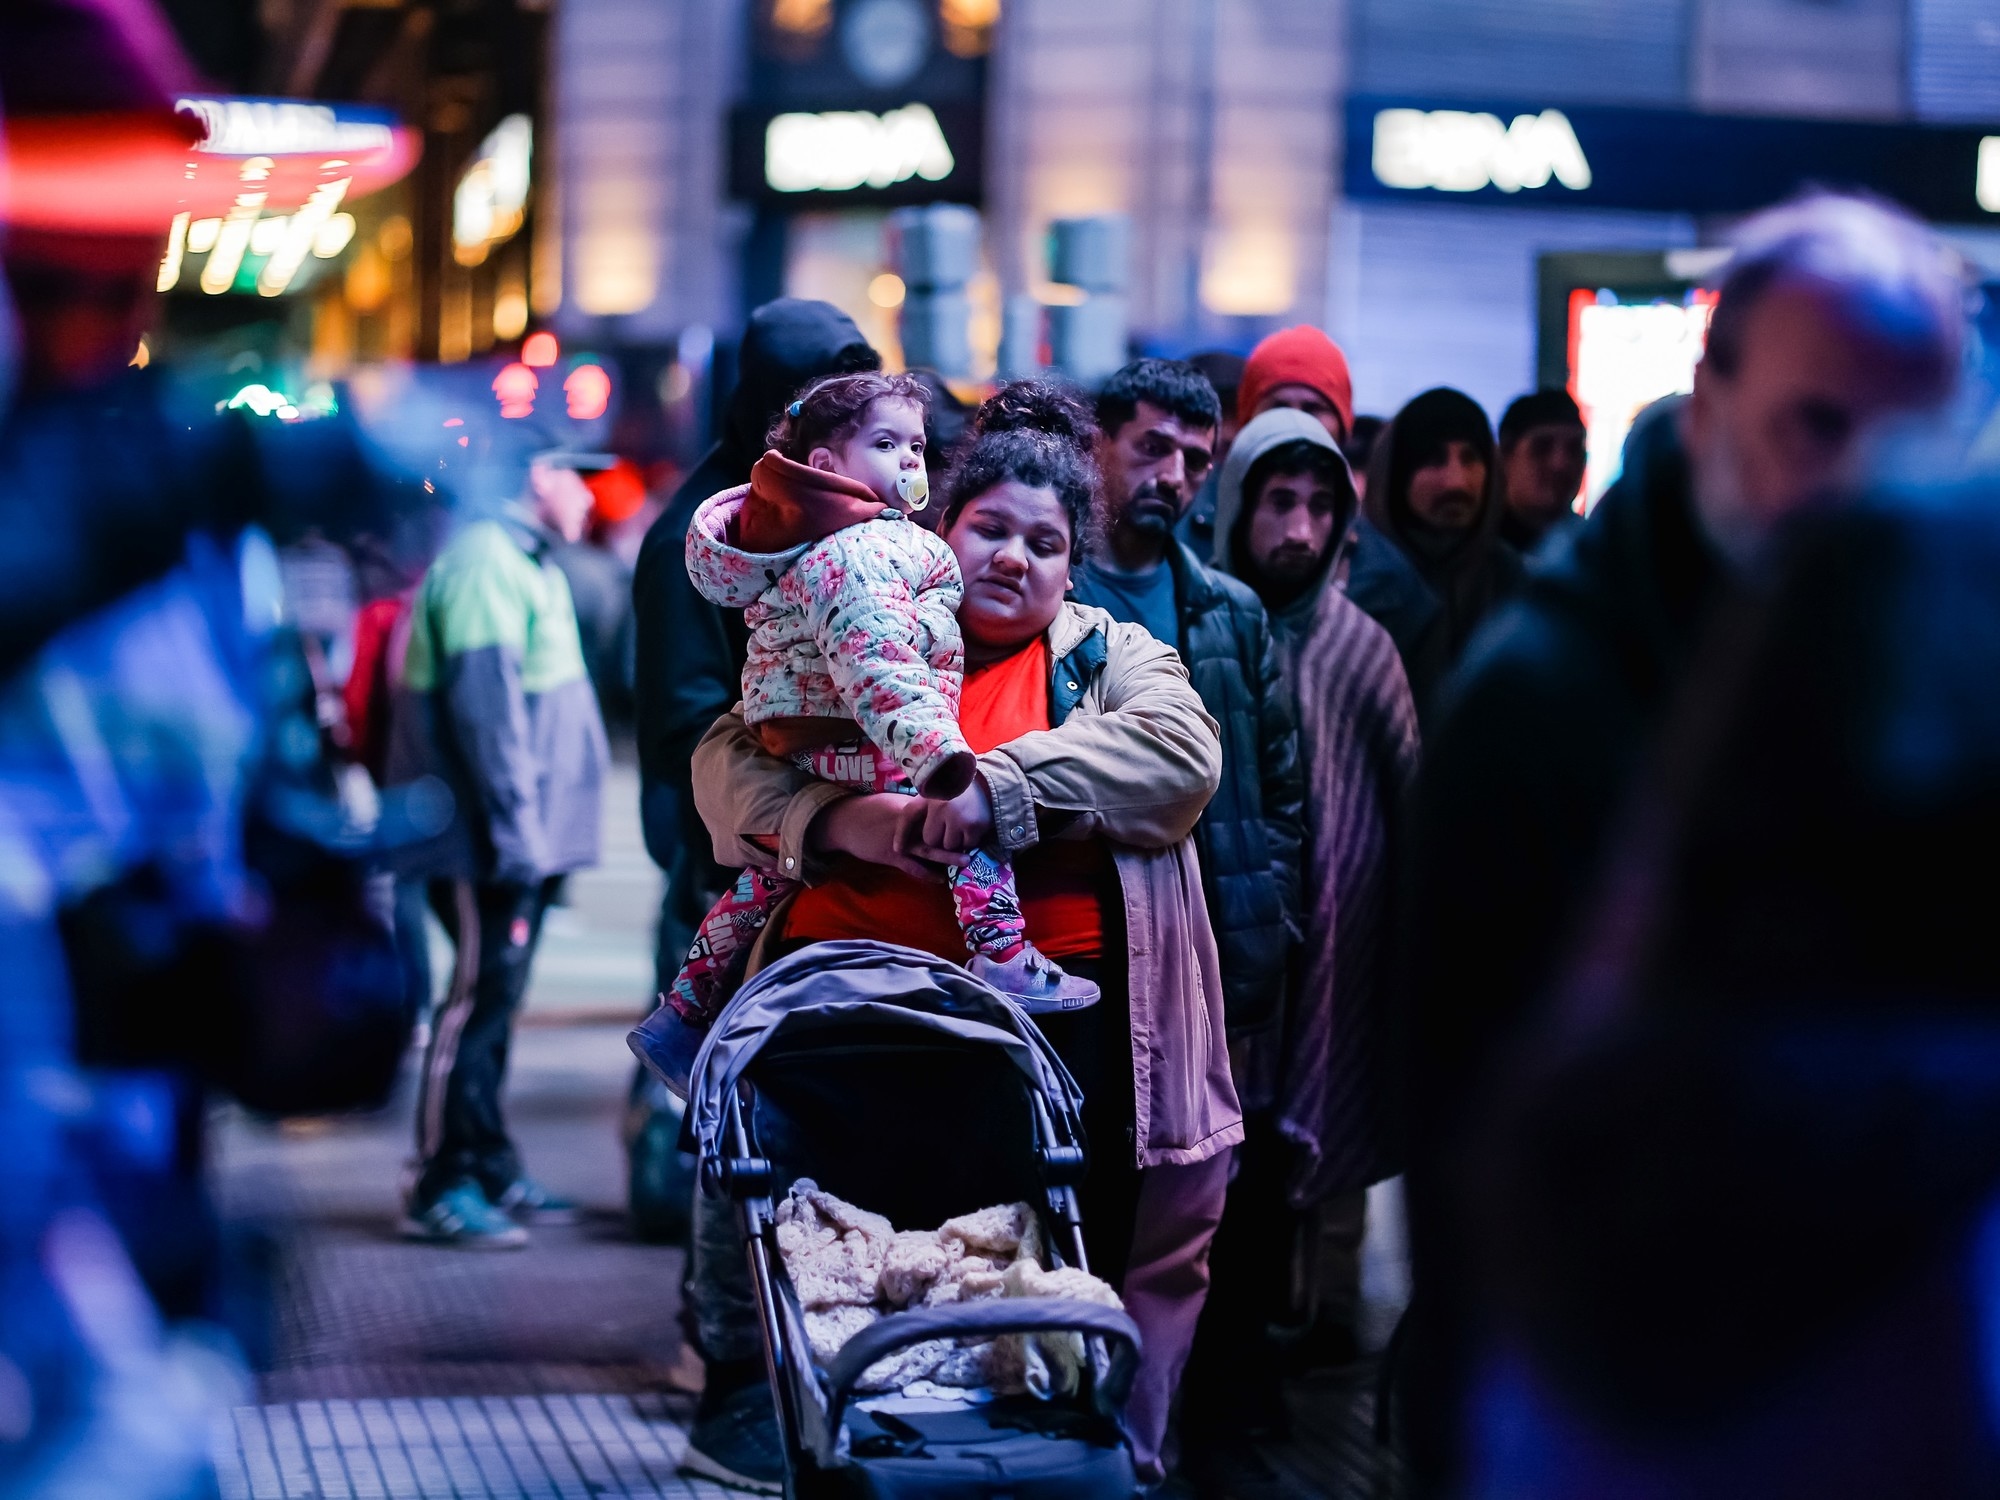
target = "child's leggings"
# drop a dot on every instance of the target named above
(983, 895)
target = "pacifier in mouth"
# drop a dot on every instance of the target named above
(913, 488)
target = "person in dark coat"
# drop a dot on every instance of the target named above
(1542, 461)
(1157, 421)
(689, 652)
(1837, 317)
(1434, 490)
(1736, 1217)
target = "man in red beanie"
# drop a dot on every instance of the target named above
(1303, 369)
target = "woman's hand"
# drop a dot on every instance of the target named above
(876, 828)
(947, 832)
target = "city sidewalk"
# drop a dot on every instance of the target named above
(392, 1370)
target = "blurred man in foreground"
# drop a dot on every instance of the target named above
(1837, 318)
(1541, 466)
(496, 702)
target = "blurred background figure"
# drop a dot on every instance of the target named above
(1541, 467)
(1736, 1211)
(496, 703)
(1838, 318)
(690, 652)
(1436, 494)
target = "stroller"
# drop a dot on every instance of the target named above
(901, 1084)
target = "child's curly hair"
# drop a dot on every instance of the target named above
(829, 411)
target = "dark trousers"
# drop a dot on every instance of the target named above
(460, 1132)
(1232, 1385)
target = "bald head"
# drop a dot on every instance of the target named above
(1838, 316)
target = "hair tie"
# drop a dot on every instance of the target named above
(795, 408)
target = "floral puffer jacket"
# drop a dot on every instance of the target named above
(861, 625)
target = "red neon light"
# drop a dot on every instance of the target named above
(589, 391)
(540, 350)
(514, 387)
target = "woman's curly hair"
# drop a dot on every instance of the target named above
(1037, 434)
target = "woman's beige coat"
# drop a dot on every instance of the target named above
(1133, 762)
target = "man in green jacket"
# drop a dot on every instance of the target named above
(495, 701)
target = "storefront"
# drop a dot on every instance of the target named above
(1485, 243)
(854, 109)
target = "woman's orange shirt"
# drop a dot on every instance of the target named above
(1063, 884)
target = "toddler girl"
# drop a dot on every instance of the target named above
(855, 661)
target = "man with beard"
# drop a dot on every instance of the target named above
(1315, 1088)
(1839, 316)
(1301, 369)
(1435, 492)
(1157, 422)
(1542, 460)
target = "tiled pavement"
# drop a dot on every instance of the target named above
(439, 1448)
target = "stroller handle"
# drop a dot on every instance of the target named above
(986, 1319)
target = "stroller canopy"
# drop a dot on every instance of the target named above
(828, 986)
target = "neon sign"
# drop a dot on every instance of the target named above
(841, 150)
(1456, 151)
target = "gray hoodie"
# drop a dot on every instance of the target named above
(1327, 1071)
(1274, 429)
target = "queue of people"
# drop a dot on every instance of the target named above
(1366, 914)
(1337, 801)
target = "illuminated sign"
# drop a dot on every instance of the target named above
(492, 195)
(1457, 151)
(1626, 356)
(844, 149)
(915, 153)
(288, 127)
(1657, 160)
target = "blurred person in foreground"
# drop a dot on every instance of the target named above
(1435, 491)
(1737, 1206)
(174, 922)
(1301, 369)
(495, 701)
(1542, 460)
(1316, 1088)
(1838, 318)
(1156, 426)
(690, 652)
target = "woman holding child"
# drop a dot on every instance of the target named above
(1093, 760)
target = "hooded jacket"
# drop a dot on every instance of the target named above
(1327, 1070)
(1469, 573)
(494, 699)
(852, 610)
(1538, 739)
(688, 653)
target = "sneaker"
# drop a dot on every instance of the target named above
(1034, 982)
(462, 1218)
(737, 1443)
(528, 1202)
